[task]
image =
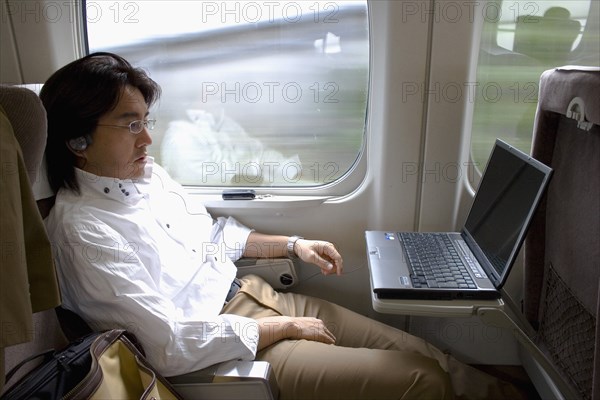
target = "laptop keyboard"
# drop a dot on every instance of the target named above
(434, 261)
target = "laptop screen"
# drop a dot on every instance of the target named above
(509, 192)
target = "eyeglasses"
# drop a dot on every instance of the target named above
(136, 127)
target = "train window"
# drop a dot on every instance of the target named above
(255, 93)
(520, 40)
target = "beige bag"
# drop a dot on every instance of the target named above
(120, 371)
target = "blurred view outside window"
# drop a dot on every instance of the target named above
(255, 93)
(520, 40)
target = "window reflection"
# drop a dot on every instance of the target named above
(524, 39)
(254, 93)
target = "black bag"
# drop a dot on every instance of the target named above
(59, 372)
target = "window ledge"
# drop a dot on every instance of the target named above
(214, 201)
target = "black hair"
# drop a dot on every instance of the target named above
(76, 97)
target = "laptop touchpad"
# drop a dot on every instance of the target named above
(393, 253)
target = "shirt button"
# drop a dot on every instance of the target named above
(106, 190)
(168, 225)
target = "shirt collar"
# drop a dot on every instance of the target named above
(128, 191)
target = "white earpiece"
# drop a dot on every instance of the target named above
(79, 144)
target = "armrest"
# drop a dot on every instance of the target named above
(229, 380)
(280, 273)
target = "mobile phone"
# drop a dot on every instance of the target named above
(239, 194)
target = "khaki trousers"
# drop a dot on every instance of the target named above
(370, 360)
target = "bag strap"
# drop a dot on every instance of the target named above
(47, 354)
(106, 339)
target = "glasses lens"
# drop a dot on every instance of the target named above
(136, 126)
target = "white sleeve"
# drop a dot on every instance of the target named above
(230, 234)
(104, 282)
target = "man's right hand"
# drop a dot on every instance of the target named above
(274, 329)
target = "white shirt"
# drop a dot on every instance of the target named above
(136, 255)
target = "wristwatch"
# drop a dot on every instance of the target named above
(290, 246)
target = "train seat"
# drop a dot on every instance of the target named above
(547, 38)
(562, 250)
(24, 126)
(53, 328)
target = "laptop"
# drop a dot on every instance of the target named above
(475, 262)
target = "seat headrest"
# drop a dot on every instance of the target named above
(27, 115)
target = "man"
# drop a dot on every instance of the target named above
(133, 252)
